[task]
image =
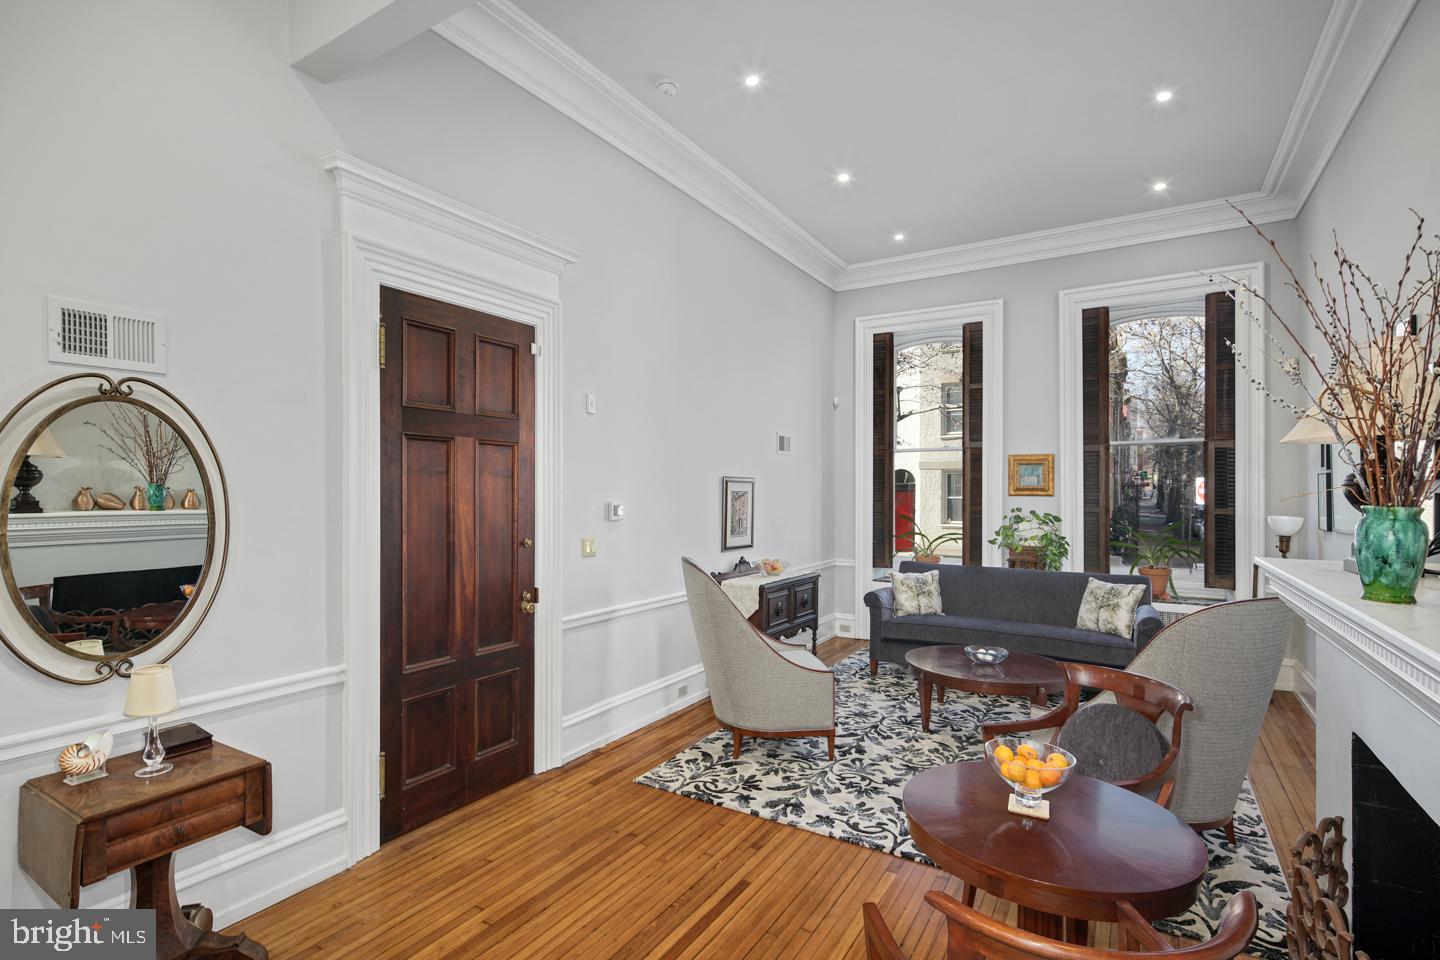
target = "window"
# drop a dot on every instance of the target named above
(1159, 444)
(952, 417)
(954, 497)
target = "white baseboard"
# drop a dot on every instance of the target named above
(623, 714)
(269, 868)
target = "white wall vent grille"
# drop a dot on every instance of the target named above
(97, 335)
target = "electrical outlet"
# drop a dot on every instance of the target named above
(590, 403)
(587, 548)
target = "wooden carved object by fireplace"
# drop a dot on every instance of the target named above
(1316, 924)
(1322, 850)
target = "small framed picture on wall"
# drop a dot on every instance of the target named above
(1032, 474)
(737, 512)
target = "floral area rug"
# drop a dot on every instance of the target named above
(880, 746)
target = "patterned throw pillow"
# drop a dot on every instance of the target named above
(1110, 607)
(916, 593)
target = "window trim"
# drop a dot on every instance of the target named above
(1250, 411)
(950, 410)
(946, 497)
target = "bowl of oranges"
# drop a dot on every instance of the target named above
(1031, 768)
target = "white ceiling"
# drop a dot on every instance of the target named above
(962, 121)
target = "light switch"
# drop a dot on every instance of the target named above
(587, 548)
(590, 403)
(614, 511)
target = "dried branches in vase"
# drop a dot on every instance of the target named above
(147, 444)
(1376, 396)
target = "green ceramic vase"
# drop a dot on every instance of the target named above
(155, 496)
(1390, 545)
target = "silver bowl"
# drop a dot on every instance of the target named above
(983, 654)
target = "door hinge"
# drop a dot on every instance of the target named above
(382, 346)
(382, 774)
(534, 349)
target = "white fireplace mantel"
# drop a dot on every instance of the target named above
(1377, 677)
(1398, 644)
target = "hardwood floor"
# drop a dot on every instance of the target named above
(581, 862)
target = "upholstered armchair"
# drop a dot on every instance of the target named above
(1226, 657)
(758, 688)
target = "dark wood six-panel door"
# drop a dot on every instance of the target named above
(457, 558)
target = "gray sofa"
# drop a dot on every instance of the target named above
(1027, 611)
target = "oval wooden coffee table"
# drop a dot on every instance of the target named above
(1018, 675)
(1102, 848)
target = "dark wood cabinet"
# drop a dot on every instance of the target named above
(790, 606)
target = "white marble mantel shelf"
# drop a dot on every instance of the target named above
(1399, 644)
(105, 526)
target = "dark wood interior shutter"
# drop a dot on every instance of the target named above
(1219, 441)
(1095, 430)
(882, 482)
(973, 374)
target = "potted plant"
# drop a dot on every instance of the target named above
(1376, 397)
(1032, 541)
(923, 547)
(1154, 553)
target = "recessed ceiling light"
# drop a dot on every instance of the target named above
(842, 177)
(753, 80)
(1160, 186)
(1164, 96)
(898, 237)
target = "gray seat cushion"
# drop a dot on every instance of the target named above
(1112, 742)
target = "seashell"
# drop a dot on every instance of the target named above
(108, 501)
(84, 500)
(87, 757)
(191, 500)
(138, 500)
(78, 759)
(169, 499)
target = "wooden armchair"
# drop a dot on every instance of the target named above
(40, 593)
(974, 935)
(1149, 697)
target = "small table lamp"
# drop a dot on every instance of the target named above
(152, 694)
(1285, 528)
(29, 476)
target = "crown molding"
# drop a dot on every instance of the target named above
(357, 180)
(1190, 220)
(1355, 40)
(508, 41)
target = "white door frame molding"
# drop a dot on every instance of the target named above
(943, 319)
(1249, 410)
(396, 233)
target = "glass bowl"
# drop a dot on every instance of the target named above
(983, 654)
(1030, 783)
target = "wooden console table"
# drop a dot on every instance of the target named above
(780, 606)
(73, 836)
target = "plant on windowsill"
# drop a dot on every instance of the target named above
(1154, 554)
(1032, 541)
(923, 547)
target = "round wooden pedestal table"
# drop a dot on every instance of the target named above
(1102, 846)
(1018, 675)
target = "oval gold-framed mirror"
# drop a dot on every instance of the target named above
(112, 554)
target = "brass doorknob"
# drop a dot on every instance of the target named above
(527, 606)
(527, 543)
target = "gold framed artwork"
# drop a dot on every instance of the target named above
(1032, 474)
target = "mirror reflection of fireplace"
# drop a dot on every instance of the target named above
(1395, 875)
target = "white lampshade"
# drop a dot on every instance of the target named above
(46, 446)
(152, 691)
(1283, 526)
